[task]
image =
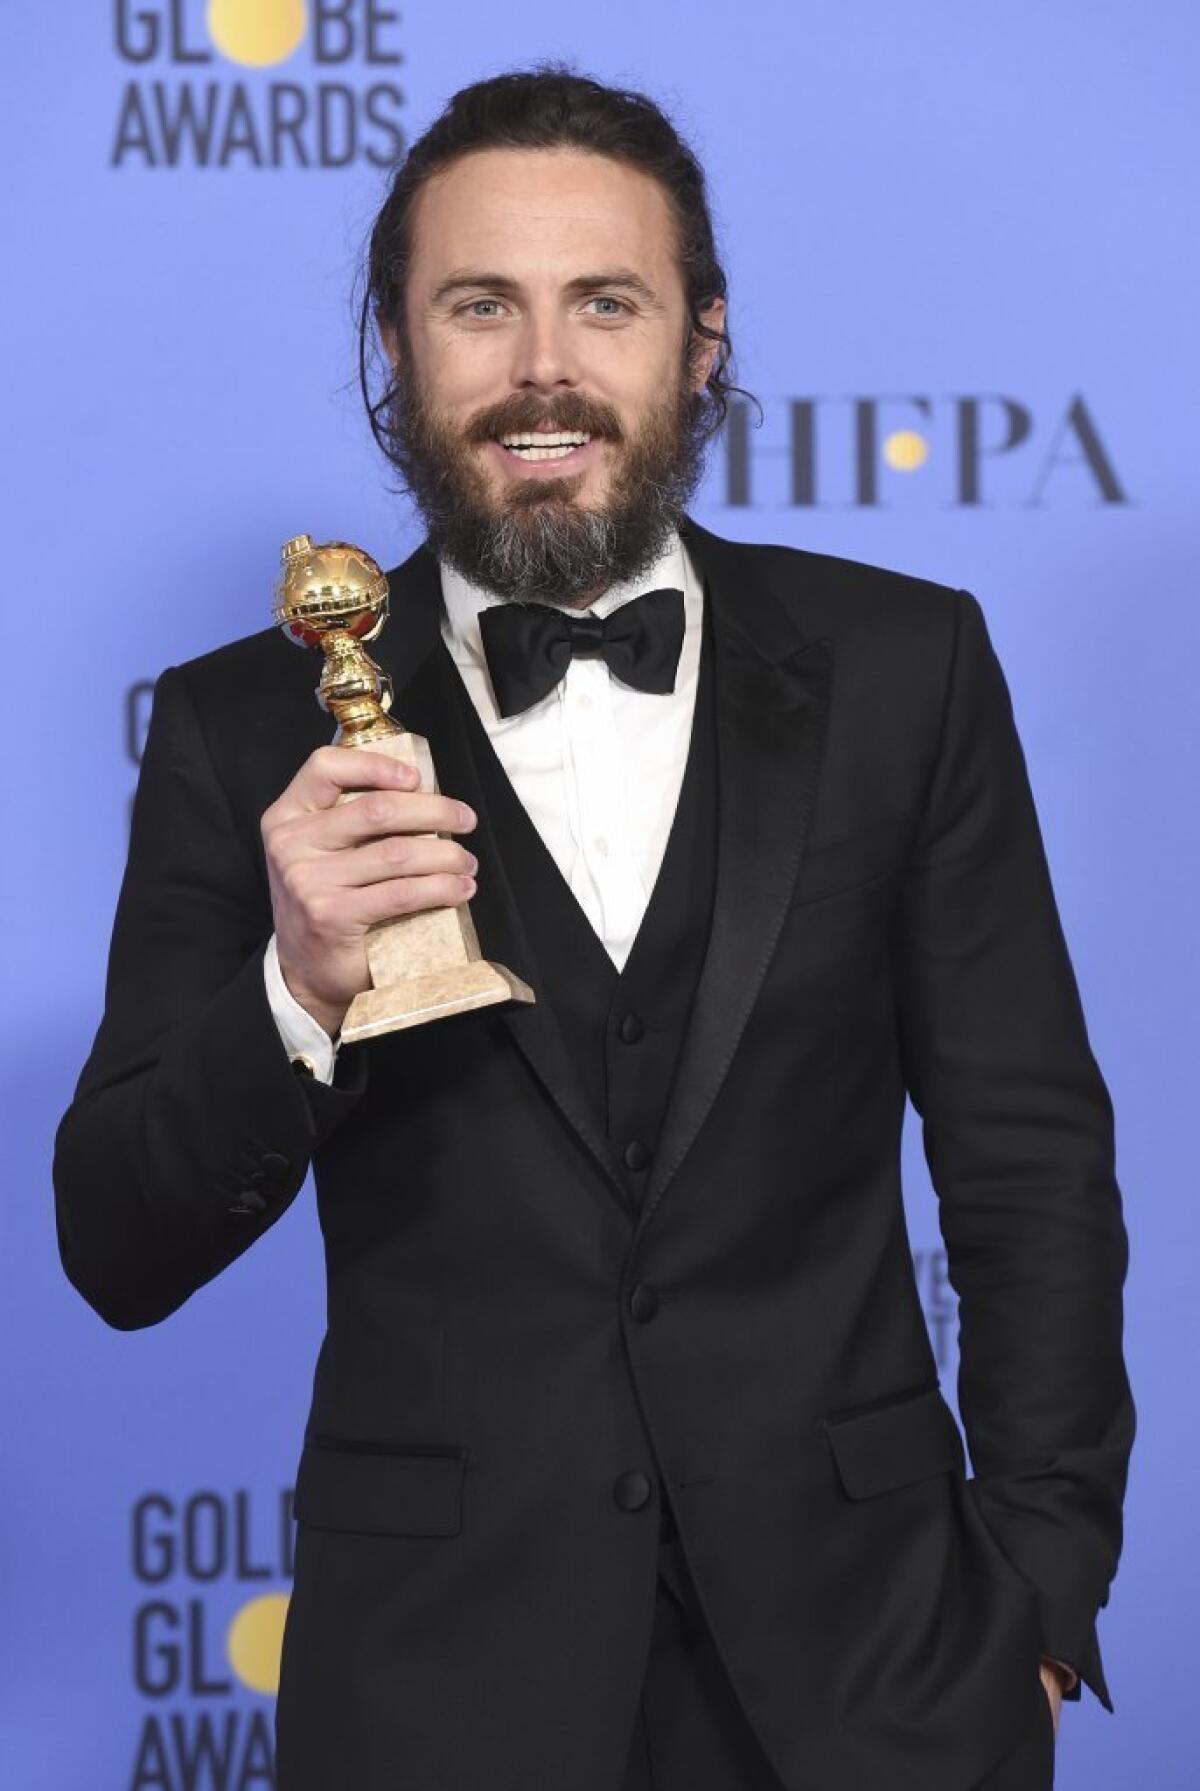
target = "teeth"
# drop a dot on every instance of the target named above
(564, 438)
(541, 453)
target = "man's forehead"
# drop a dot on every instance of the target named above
(535, 204)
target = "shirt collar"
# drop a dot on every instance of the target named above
(464, 600)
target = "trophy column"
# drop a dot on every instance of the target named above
(424, 966)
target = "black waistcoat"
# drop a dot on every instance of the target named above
(623, 1032)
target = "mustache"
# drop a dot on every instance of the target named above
(526, 413)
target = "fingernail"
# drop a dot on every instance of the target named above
(473, 862)
(468, 884)
(465, 814)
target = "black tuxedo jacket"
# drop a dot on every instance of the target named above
(474, 1583)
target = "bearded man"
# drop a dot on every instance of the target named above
(627, 1465)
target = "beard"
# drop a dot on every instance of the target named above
(536, 542)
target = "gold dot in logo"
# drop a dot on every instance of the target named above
(257, 32)
(905, 450)
(255, 1639)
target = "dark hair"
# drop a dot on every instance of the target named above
(548, 107)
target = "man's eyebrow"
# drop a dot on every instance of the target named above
(624, 278)
(467, 278)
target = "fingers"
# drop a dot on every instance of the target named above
(380, 812)
(329, 771)
(406, 856)
(408, 895)
(311, 818)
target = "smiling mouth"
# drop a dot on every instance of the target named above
(557, 444)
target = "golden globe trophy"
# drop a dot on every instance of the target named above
(424, 965)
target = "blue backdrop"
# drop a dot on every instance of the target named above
(961, 242)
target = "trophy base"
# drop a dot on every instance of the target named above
(426, 965)
(455, 989)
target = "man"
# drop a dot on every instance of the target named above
(627, 1464)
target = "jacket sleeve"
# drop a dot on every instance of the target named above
(1018, 1135)
(189, 1133)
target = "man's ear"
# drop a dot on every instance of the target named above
(704, 349)
(391, 344)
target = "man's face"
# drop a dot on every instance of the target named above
(544, 299)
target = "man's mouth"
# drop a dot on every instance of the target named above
(554, 444)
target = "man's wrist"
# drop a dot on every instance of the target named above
(305, 1038)
(328, 1016)
(1067, 1677)
(329, 1019)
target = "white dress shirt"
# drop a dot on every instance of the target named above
(597, 765)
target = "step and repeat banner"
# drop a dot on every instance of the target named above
(963, 286)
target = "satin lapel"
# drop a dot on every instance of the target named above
(427, 701)
(772, 688)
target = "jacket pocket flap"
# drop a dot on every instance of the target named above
(895, 1444)
(830, 867)
(393, 1492)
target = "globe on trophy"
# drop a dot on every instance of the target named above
(426, 965)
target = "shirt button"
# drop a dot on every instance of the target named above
(631, 1030)
(585, 701)
(636, 1154)
(643, 1302)
(601, 845)
(631, 1491)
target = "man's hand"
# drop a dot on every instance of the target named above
(337, 868)
(1053, 1680)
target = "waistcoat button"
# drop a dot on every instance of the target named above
(643, 1302)
(636, 1154)
(631, 1030)
(631, 1491)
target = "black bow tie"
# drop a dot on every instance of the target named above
(528, 647)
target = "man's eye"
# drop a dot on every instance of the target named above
(604, 298)
(472, 306)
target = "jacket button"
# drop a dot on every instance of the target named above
(631, 1491)
(631, 1029)
(274, 1166)
(249, 1206)
(643, 1302)
(636, 1154)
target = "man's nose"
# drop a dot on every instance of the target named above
(543, 354)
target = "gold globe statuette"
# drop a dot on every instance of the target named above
(426, 965)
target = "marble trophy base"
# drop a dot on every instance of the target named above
(425, 966)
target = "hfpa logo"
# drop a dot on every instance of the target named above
(857, 452)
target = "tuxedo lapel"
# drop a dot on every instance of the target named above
(772, 687)
(771, 693)
(428, 699)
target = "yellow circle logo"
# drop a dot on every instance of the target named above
(257, 32)
(905, 450)
(255, 1641)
